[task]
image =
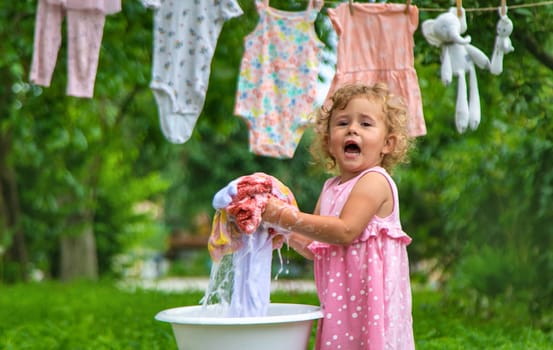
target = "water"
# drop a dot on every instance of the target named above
(241, 282)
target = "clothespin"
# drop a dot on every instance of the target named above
(351, 7)
(503, 10)
(407, 6)
(459, 8)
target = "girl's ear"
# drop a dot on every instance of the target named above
(327, 145)
(389, 144)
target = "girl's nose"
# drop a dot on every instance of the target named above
(352, 129)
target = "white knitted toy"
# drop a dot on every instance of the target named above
(458, 58)
(503, 43)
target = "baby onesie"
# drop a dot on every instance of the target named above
(277, 85)
(375, 44)
(185, 36)
(85, 25)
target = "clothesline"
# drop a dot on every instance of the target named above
(484, 9)
(475, 9)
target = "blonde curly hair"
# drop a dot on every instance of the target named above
(395, 112)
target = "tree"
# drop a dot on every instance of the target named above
(62, 152)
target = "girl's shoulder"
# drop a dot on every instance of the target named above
(381, 171)
(376, 169)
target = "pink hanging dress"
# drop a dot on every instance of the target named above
(364, 288)
(375, 44)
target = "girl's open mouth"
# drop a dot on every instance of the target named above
(352, 148)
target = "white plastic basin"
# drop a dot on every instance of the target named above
(286, 326)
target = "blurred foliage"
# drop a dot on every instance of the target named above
(480, 201)
(477, 204)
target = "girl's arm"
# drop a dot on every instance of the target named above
(300, 243)
(371, 196)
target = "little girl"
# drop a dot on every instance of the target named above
(355, 236)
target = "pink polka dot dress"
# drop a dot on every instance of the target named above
(364, 288)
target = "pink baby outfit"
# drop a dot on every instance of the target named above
(85, 25)
(375, 44)
(364, 288)
(277, 86)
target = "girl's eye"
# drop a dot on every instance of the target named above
(366, 124)
(342, 122)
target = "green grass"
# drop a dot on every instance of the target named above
(438, 325)
(96, 316)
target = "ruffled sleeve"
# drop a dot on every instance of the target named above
(154, 4)
(334, 19)
(378, 228)
(230, 9)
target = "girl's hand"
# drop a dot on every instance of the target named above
(300, 243)
(278, 241)
(273, 210)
